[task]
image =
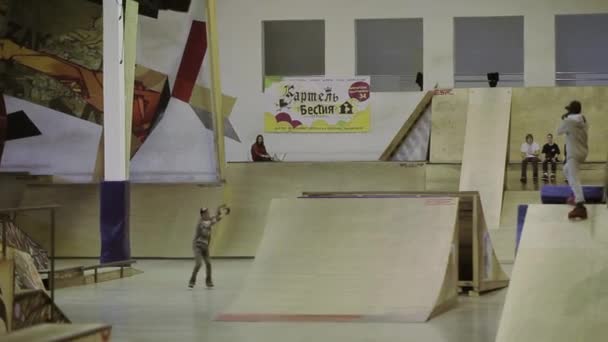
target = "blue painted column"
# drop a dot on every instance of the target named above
(114, 190)
(114, 214)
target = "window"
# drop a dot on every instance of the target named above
(390, 52)
(581, 49)
(294, 48)
(485, 45)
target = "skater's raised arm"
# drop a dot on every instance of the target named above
(222, 211)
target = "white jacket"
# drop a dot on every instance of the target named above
(576, 129)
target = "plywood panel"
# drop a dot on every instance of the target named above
(485, 148)
(590, 173)
(62, 332)
(511, 200)
(481, 274)
(251, 187)
(163, 216)
(558, 284)
(7, 292)
(442, 177)
(448, 121)
(352, 258)
(538, 111)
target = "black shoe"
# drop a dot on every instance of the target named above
(190, 286)
(535, 179)
(523, 180)
(579, 212)
(209, 283)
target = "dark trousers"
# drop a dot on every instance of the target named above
(524, 167)
(546, 163)
(201, 253)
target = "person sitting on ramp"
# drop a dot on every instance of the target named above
(575, 127)
(201, 241)
(551, 152)
(258, 150)
(529, 153)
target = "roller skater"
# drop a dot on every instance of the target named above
(575, 127)
(201, 241)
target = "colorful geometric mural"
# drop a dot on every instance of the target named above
(73, 89)
(150, 8)
(57, 63)
(192, 61)
(3, 124)
(51, 55)
(21, 126)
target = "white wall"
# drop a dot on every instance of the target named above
(67, 147)
(240, 33)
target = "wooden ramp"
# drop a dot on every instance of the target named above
(389, 259)
(558, 286)
(485, 148)
(35, 307)
(478, 268)
(61, 333)
(92, 274)
(448, 125)
(7, 289)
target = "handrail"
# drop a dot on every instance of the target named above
(485, 75)
(75, 268)
(580, 79)
(583, 76)
(485, 80)
(29, 208)
(111, 264)
(582, 72)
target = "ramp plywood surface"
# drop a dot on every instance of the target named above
(538, 111)
(251, 187)
(163, 216)
(558, 284)
(448, 120)
(485, 148)
(479, 270)
(352, 259)
(62, 332)
(7, 291)
(512, 200)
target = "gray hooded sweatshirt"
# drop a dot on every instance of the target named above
(576, 129)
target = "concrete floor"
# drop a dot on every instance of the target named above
(156, 306)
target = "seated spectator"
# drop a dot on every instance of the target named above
(529, 153)
(551, 152)
(258, 150)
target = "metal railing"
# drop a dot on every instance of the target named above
(12, 213)
(481, 80)
(581, 78)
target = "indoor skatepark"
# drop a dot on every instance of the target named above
(403, 218)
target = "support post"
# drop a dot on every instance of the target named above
(216, 88)
(114, 190)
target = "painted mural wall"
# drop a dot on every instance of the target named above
(51, 78)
